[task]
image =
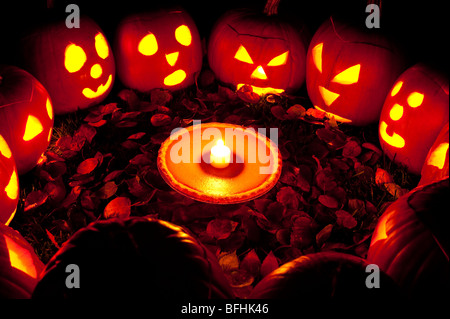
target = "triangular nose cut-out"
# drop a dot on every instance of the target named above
(328, 96)
(172, 58)
(259, 73)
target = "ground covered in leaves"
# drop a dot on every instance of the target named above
(102, 163)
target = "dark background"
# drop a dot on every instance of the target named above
(419, 27)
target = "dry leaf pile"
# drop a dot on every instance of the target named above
(102, 163)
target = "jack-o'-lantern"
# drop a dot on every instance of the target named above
(9, 184)
(324, 276)
(20, 267)
(26, 116)
(415, 111)
(76, 65)
(349, 71)
(134, 257)
(436, 162)
(260, 50)
(159, 49)
(411, 242)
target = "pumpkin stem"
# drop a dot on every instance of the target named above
(271, 7)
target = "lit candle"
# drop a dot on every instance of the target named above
(220, 155)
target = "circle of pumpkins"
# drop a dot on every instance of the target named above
(351, 74)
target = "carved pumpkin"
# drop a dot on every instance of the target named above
(349, 71)
(436, 162)
(75, 65)
(260, 50)
(19, 265)
(323, 276)
(415, 111)
(9, 184)
(411, 242)
(158, 50)
(26, 116)
(134, 257)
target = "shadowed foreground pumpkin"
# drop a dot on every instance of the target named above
(134, 258)
(411, 242)
(349, 71)
(159, 49)
(19, 265)
(436, 162)
(322, 277)
(75, 65)
(260, 50)
(415, 111)
(26, 116)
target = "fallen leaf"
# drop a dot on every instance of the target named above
(35, 199)
(228, 261)
(382, 177)
(251, 263)
(295, 112)
(269, 264)
(221, 228)
(351, 149)
(87, 166)
(328, 201)
(108, 190)
(160, 120)
(345, 219)
(288, 197)
(323, 235)
(118, 207)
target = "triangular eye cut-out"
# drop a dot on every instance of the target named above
(243, 56)
(348, 76)
(317, 56)
(279, 60)
(32, 129)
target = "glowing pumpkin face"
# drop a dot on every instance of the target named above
(9, 184)
(349, 72)
(19, 265)
(158, 50)
(26, 116)
(81, 69)
(436, 162)
(266, 53)
(415, 111)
